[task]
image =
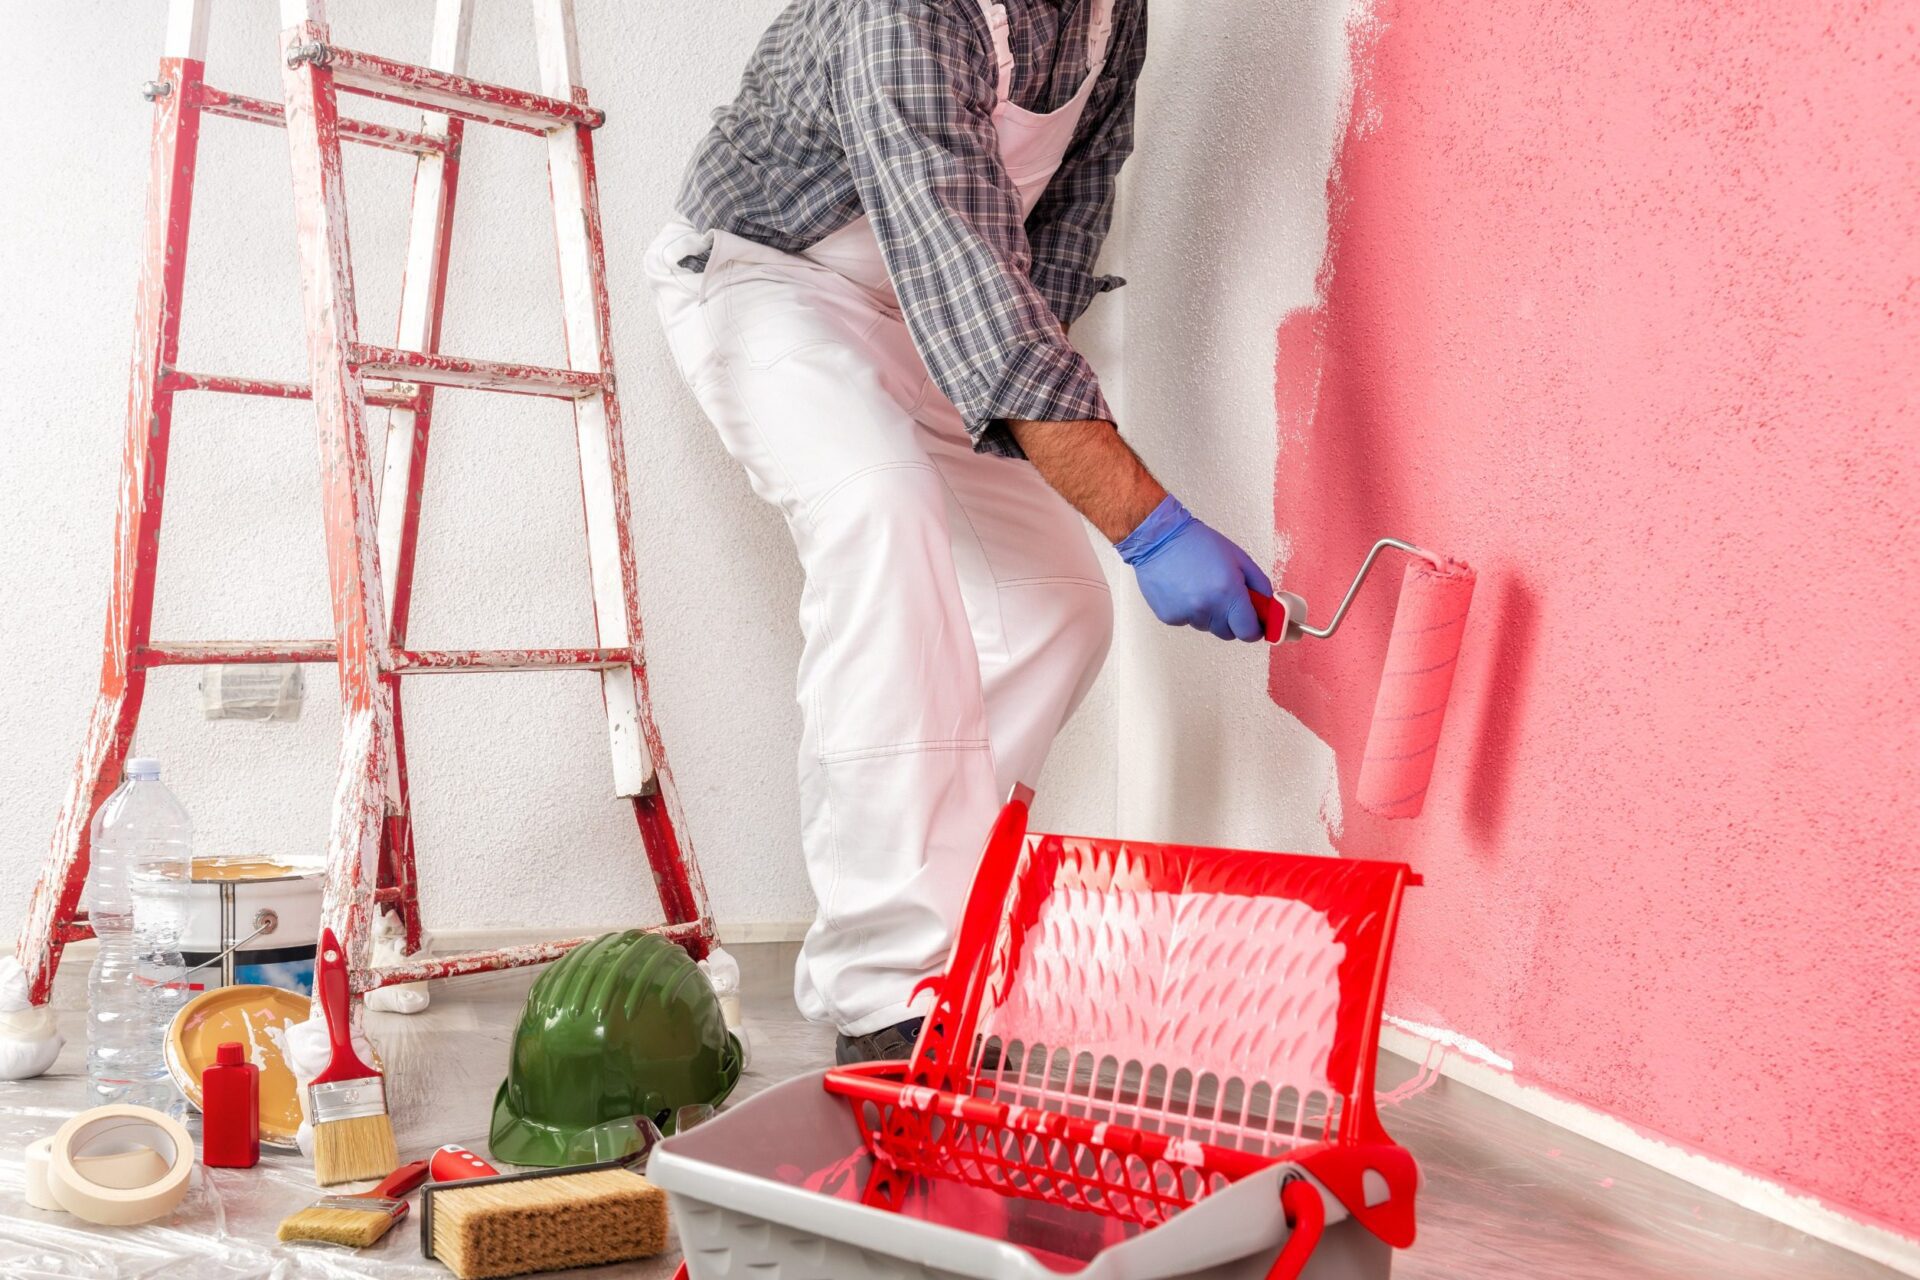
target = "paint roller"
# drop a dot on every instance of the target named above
(1421, 654)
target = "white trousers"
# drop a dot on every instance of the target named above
(954, 612)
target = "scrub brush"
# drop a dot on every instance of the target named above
(548, 1220)
(352, 1132)
(357, 1220)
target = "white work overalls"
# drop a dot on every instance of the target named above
(954, 610)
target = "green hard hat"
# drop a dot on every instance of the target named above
(621, 1026)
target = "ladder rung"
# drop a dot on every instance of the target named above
(237, 106)
(419, 662)
(502, 958)
(476, 375)
(427, 662)
(401, 395)
(441, 91)
(210, 653)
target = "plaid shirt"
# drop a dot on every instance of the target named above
(885, 107)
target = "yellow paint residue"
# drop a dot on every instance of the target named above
(241, 1014)
(239, 869)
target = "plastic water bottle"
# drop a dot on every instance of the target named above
(136, 901)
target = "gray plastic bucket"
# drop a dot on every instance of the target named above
(770, 1189)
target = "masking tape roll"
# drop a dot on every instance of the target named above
(39, 1161)
(98, 1153)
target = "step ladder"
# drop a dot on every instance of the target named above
(371, 833)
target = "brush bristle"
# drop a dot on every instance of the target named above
(548, 1224)
(352, 1150)
(356, 1228)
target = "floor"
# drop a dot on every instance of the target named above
(1505, 1194)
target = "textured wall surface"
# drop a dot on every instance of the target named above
(1621, 309)
(512, 786)
(1223, 226)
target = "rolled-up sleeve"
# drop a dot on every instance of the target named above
(1073, 217)
(916, 112)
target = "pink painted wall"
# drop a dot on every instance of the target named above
(1623, 307)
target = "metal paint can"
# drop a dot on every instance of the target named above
(251, 920)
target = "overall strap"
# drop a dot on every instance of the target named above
(1099, 35)
(996, 15)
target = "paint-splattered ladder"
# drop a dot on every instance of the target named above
(370, 824)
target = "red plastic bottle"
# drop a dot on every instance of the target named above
(230, 1111)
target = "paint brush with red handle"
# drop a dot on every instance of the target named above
(357, 1220)
(1428, 625)
(347, 1102)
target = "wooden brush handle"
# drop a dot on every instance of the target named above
(330, 988)
(400, 1181)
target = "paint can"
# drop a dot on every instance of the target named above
(251, 920)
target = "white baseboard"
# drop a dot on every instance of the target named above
(450, 941)
(1770, 1199)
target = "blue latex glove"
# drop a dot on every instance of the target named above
(1193, 577)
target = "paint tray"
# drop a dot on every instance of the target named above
(1145, 1061)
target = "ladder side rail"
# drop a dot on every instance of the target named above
(362, 796)
(581, 251)
(436, 181)
(50, 921)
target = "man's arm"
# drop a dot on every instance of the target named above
(1071, 221)
(1093, 469)
(917, 113)
(1190, 575)
(915, 99)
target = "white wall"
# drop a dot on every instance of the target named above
(511, 787)
(1223, 230)
(512, 801)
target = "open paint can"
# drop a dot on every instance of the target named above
(253, 1017)
(251, 921)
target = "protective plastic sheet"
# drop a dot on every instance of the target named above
(1505, 1196)
(442, 1069)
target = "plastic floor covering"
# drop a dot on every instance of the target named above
(1505, 1195)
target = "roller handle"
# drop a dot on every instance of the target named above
(1273, 616)
(330, 987)
(1306, 1219)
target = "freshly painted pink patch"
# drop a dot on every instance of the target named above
(1622, 310)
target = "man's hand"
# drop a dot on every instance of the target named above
(1190, 575)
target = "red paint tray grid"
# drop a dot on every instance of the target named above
(1126, 1028)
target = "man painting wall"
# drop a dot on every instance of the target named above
(880, 248)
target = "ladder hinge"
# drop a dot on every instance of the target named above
(314, 51)
(153, 90)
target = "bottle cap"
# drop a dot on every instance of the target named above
(143, 769)
(231, 1054)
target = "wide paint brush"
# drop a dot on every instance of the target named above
(358, 1220)
(347, 1102)
(1428, 625)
